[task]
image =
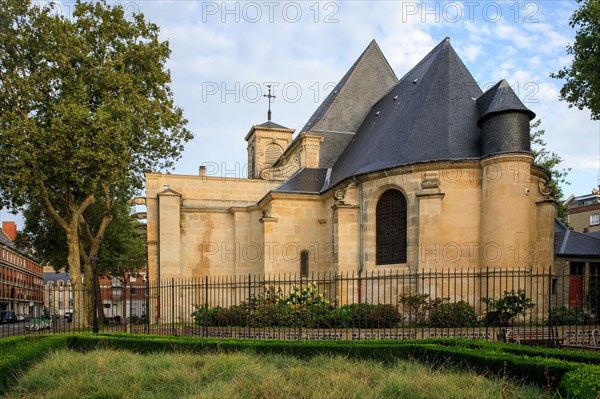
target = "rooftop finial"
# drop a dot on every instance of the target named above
(269, 96)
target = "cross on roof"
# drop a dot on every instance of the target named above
(269, 96)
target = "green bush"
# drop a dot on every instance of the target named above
(582, 383)
(364, 315)
(269, 315)
(230, 317)
(502, 311)
(570, 316)
(416, 307)
(458, 314)
(205, 316)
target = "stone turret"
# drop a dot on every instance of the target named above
(506, 204)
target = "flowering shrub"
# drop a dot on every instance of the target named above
(502, 311)
(308, 295)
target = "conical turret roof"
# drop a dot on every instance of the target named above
(500, 98)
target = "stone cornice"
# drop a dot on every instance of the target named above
(430, 195)
(415, 168)
(492, 159)
(540, 172)
(344, 206)
(271, 196)
(269, 129)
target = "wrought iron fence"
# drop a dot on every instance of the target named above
(482, 304)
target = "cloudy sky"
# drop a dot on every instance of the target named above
(224, 54)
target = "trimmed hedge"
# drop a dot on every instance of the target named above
(523, 363)
(19, 353)
(582, 383)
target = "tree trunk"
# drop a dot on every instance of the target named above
(80, 315)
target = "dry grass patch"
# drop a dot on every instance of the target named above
(113, 374)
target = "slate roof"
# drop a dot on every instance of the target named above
(429, 115)
(500, 98)
(305, 180)
(569, 243)
(273, 125)
(595, 234)
(51, 276)
(4, 240)
(326, 104)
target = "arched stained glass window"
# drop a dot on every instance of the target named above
(391, 228)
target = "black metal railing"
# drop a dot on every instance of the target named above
(480, 304)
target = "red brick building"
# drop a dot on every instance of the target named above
(21, 278)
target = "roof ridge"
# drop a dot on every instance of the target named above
(563, 245)
(434, 50)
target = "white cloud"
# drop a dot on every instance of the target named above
(215, 48)
(470, 52)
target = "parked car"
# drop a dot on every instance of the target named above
(8, 316)
(69, 316)
(22, 317)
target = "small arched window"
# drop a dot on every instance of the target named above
(391, 228)
(304, 264)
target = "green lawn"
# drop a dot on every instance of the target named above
(118, 374)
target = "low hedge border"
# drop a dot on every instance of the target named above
(574, 372)
(17, 354)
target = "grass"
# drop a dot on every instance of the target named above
(119, 374)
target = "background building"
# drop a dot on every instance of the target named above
(124, 297)
(121, 298)
(584, 212)
(58, 295)
(21, 278)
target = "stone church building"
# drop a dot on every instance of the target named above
(426, 172)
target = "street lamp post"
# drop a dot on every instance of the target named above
(94, 261)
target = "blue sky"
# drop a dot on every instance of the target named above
(224, 54)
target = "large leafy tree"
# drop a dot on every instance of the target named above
(123, 250)
(85, 109)
(582, 86)
(122, 253)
